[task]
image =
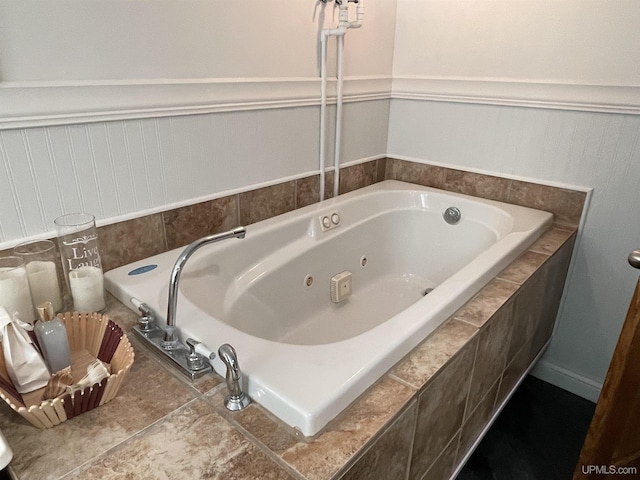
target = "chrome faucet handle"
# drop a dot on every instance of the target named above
(146, 320)
(237, 399)
(146, 323)
(194, 360)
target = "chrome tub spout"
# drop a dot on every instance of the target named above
(170, 340)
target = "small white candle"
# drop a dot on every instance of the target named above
(43, 281)
(87, 289)
(14, 293)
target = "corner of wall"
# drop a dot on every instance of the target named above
(567, 380)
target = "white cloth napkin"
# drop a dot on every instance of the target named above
(25, 366)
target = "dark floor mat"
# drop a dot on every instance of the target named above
(537, 436)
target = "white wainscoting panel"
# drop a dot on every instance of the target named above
(123, 169)
(595, 150)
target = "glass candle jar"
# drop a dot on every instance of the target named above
(78, 244)
(15, 295)
(41, 264)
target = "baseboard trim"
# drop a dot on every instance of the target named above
(570, 381)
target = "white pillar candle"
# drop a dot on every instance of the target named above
(43, 281)
(14, 293)
(87, 289)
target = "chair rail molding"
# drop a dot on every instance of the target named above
(37, 104)
(537, 94)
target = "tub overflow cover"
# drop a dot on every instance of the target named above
(452, 215)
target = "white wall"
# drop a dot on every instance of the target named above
(482, 62)
(123, 108)
(568, 41)
(84, 40)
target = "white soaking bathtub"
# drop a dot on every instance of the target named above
(304, 357)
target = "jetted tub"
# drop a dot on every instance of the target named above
(304, 357)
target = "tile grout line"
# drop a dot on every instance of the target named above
(96, 457)
(413, 439)
(371, 442)
(465, 417)
(456, 436)
(404, 382)
(259, 445)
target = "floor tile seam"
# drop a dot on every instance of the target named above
(259, 445)
(545, 253)
(564, 228)
(567, 229)
(418, 389)
(475, 325)
(406, 383)
(120, 444)
(375, 436)
(438, 372)
(480, 325)
(548, 253)
(515, 282)
(213, 390)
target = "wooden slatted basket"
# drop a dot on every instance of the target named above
(91, 336)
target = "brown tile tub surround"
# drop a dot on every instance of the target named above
(138, 238)
(184, 225)
(383, 431)
(133, 240)
(565, 204)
